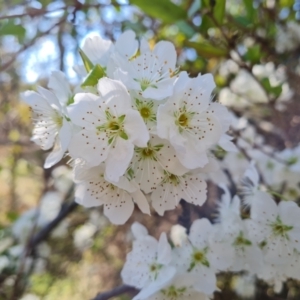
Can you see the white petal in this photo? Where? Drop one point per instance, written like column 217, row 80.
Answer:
column 119, row 211
column 97, row 49
column 138, row 230
column 141, row 201
column 60, row 86
column 115, row 95
column 164, row 250
column 118, row 159
column 264, row 207
column 199, row 232
column 126, row 44
column 136, row 129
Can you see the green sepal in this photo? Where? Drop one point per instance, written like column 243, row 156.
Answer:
column 124, row 135
column 86, row 61
column 93, row 77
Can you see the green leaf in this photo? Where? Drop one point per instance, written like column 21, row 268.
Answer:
column 253, row 54
column 250, row 11
column 93, row 77
column 164, row 10
column 86, row 61
column 219, row 10
column 275, row 90
column 207, row 50
column 185, row 28
column 243, row 21
column 10, row 28
column 194, row 8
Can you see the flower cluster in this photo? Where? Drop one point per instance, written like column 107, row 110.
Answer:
column 265, row 244
column 135, row 126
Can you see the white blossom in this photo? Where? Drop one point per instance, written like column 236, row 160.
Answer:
column 118, row 198
column 110, row 128
column 189, row 121
column 52, row 128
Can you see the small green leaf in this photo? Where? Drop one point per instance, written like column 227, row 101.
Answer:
column 275, row 90
column 219, row 10
column 185, row 28
column 254, row 54
column 93, row 77
column 194, row 8
column 124, row 135
column 207, row 50
column 164, row 10
column 86, row 61
column 250, row 11
column 10, row 28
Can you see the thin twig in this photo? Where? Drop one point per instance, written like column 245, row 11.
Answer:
column 31, row 43
column 122, row 289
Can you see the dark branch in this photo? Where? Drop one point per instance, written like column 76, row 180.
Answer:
column 44, row 232
column 122, row 289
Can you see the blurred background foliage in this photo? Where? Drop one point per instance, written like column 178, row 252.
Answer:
column 259, row 39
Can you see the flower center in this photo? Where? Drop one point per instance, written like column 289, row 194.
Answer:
column 113, row 126
column 58, row 120
column 242, row 241
column 145, row 112
column 171, row 178
column 149, row 152
column 173, row 292
column 198, row 258
column 280, row 229
column 183, row 120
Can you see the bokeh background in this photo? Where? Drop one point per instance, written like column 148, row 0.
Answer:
column 251, row 47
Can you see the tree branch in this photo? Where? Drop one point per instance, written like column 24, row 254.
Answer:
column 122, row 289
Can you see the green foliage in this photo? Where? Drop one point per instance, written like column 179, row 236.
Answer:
column 250, row 11
column 207, row 50
column 10, row 28
column 274, row 90
column 165, row 10
column 219, row 10
column 254, row 54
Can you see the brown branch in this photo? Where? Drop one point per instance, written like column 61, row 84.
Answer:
column 35, row 240
column 122, row 289
column 31, row 43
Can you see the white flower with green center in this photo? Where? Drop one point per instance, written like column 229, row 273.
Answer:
column 118, row 198
column 247, row 254
column 149, row 163
column 152, row 73
column 147, row 265
column 181, row 288
column 189, row 121
column 231, row 229
column 51, row 125
column 202, row 258
column 167, row 194
column 147, row 109
column 110, row 128
column 276, row 226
